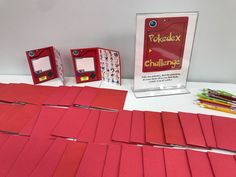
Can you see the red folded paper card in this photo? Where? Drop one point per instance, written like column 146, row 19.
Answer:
column 199, row 164
column 123, row 126
column 20, row 119
column 25, row 164
column 225, row 132
column 154, row 128
column 105, row 127
column 10, row 151
column 70, row 96
column 88, row 132
column 222, row 165
column 70, row 160
column 86, row 96
column 176, row 163
column 49, row 162
column 47, row 121
column 131, row 163
column 208, row 131
column 153, row 162
column 172, row 128
column 56, row 96
column 137, row 133
column 93, row 161
column 112, row 163
column 3, row 138
column 71, row 123
column 192, row 129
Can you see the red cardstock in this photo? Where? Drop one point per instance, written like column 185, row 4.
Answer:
column 164, row 42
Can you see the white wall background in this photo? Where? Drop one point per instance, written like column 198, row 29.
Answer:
column 29, row 24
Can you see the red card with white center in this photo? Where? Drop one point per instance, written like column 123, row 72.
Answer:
column 109, row 99
column 208, row 131
column 172, row 128
column 56, row 96
column 49, row 162
column 123, row 126
column 70, row 160
column 153, row 162
column 192, row 129
column 137, row 134
column 154, row 128
column 176, row 163
column 222, row 165
column 88, row 132
column 225, row 132
column 70, row 96
column 25, row 164
column 86, row 96
column 105, row 127
column 47, row 121
column 112, row 164
column 93, row 161
column 71, row 123
column 131, row 163
column 199, row 164
column 10, row 151
column 20, row 119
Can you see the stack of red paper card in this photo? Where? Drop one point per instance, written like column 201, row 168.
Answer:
column 24, row 157
column 63, row 96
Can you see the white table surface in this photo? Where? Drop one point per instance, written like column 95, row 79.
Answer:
column 173, row 103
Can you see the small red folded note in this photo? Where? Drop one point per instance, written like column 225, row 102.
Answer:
column 137, row 133
column 93, row 161
column 154, row 128
column 208, row 131
column 105, row 127
column 112, row 163
column 199, row 164
column 153, row 162
column 225, row 132
column 70, row 160
column 176, row 163
column 131, row 163
column 71, row 123
column 222, row 165
column 172, row 128
column 192, row 129
column 123, row 126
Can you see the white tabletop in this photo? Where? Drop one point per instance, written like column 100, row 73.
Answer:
column 172, row 103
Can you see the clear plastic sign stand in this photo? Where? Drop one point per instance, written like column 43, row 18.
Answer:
column 164, row 43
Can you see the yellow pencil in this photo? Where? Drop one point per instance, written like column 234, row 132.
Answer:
column 214, row 101
column 203, row 105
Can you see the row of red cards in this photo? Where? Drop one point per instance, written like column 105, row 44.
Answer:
column 63, row 96
column 140, row 127
column 24, row 157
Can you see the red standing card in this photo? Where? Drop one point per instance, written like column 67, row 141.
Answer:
column 93, row 161
column 105, row 127
column 208, row 131
column 112, row 163
column 70, row 160
column 71, row 123
column 222, row 165
column 153, row 162
column 176, row 163
column 192, row 129
column 199, row 164
column 172, row 128
column 154, row 128
column 123, row 126
column 225, row 132
column 131, row 163
column 164, row 42
column 137, row 133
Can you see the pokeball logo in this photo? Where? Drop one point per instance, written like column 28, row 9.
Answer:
column 153, row 23
column 76, row 52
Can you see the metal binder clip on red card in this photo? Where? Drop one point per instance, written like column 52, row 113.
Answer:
column 45, row 64
column 94, row 64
